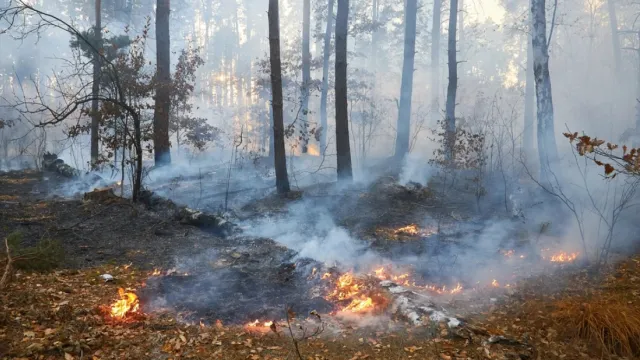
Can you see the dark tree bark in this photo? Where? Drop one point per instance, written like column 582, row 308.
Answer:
column 452, row 88
column 547, row 149
column 280, row 157
column 162, row 147
column 137, row 143
column 306, row 71
column 343, row 148
column 325, row 78
column 403, row 129
column 529, row 96
column 95, row 90
column 435, row 60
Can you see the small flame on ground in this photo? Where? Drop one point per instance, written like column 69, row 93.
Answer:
column 411, row 229
column 156, row 272
column 128, row 303
column 258, row 323
column 564, row 257
column 495, row 283
column 404, row 280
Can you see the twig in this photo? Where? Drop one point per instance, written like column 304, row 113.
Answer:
column 7, row 269
column 293, row 338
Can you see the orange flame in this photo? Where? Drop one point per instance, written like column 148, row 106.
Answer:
column 495, row 283
column 257, row 323
column 564, row 257
column 364, row 303
column 411, row 229
column 128, row 303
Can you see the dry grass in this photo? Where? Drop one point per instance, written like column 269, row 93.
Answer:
column 611, row 322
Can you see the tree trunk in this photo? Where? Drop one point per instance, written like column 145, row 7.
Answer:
column 343, row 149
column 95, row 89
column 529, row 96
column 280, row 157
column 638, row 92
column 163, row 105
column 547, row 149
column 306, row 72
column 271, row 127
column 615, row 38
column 403, row 129
column 325, row 78
column 374, row 38
column 137, row 143
column 450, row 131
column 435, row 60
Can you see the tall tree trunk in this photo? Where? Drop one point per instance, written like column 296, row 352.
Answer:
column 450, row 131
column 615, row 38
column 343, row 147
column 461, row 35
column 239, row 61
column 163, row 103
column 280, row 157
column 374, row 38
column 137, row 143
column 272, row 146
column 403, row 129
column 306, row 72
column 435, row 60
column 529, row 95
column 547, row 149
column 638, row 91
column 95, row 89
column 325, row 78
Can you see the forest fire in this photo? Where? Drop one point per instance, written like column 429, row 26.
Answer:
column 564, row 257
column 128, row 304
column 257, row 323
column 414, row 230
column 352, row 289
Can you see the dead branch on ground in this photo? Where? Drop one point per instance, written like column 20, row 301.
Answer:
column 7, row 269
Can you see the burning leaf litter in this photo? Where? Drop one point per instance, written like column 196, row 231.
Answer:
column 128, row 304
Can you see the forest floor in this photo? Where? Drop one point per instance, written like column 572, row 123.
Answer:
column 60, row 313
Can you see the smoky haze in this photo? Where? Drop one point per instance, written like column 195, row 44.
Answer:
column 595, row 87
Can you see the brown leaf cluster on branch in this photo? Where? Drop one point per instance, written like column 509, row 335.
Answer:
column 603, row 154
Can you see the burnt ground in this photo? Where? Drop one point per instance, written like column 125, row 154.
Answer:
column 107, row 237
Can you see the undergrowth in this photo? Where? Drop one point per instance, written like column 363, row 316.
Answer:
column 45, row 255
column 610, row 322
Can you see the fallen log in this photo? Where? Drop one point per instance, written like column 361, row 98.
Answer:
column 415, row 307
column 213, row 222
column 216, row 223
column 50, row 162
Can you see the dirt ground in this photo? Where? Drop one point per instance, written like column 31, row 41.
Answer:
column 60, row 314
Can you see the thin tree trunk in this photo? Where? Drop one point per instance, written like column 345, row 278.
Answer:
column 453, row 84
column 547, row 149
column 137, row 180
column 306, row 72
column 280, row 159
column 374, row 38
column 403, row 130
column 325, row 78
column 435, row 60
column 615, row 38
column 529, row 95
column 95, row 90
column 163, row 105
column 343, row 147
column 638, row 91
